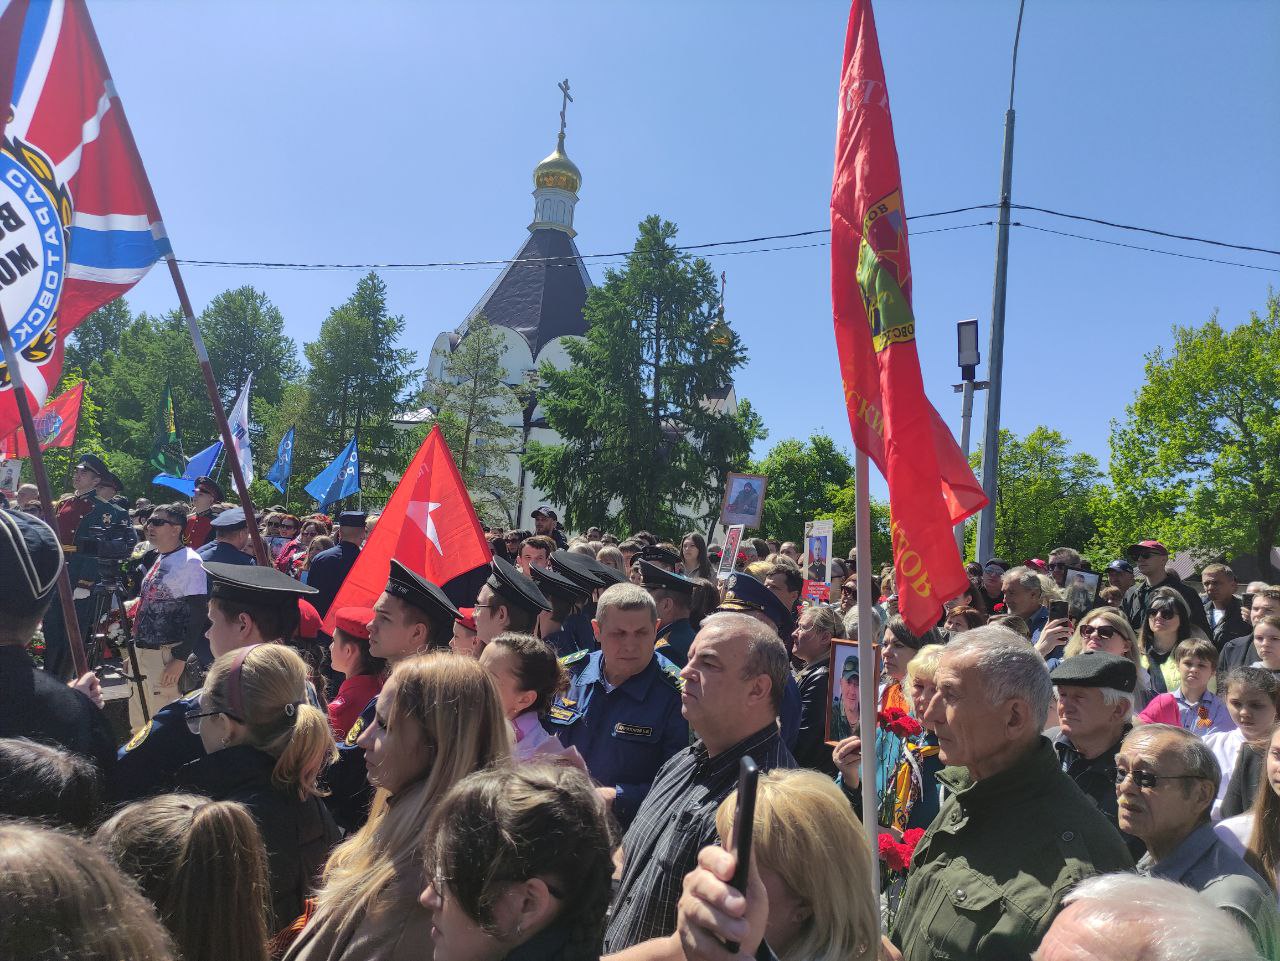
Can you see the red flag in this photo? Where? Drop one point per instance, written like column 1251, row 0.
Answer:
column 429, row 526
column 56, row 424
column 931, row 487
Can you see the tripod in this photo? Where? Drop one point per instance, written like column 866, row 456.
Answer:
column 105, row 597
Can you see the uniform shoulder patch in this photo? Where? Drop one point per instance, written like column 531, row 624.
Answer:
column 353, row 735
column 671, row 677
column 139, row 736
column 575, row 657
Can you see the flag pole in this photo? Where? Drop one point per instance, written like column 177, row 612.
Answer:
column 867, row 687
column 219, row 414
column 71, row 623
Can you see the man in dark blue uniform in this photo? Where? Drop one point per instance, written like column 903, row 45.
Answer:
column 330, row 568
column 411, row 616
column 622, row 708
column 673, row 593
column 231, row 536
column 33, row 703
column 247, row 605
column 566, row 597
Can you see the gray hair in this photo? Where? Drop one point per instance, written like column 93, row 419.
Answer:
column 1025, row 578
column 1068, row 555
column 1165, row 921
column 1192, row 752
column 851, row 624
column 825, row 619
column 766, row 654
column 626, row 597
column 1112, row 696
column 1009, row 667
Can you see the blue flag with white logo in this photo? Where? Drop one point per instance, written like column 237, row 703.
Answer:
column 283, row 467
column 200, row 465
column 340, row 479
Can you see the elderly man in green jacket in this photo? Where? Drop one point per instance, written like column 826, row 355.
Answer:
column 1015, row 833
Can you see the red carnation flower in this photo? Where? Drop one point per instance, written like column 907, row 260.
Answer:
column 897, row 721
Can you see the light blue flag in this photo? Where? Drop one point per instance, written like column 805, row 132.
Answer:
column 200, row 465
column 340, row 479
column 283, row 467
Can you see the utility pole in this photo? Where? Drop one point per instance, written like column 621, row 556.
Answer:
column 968, row 358
column 995, row 355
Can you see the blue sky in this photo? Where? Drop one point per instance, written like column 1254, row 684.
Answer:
column 407, row 132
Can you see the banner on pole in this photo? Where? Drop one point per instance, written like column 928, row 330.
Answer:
column 340, row 479
column 238, row 421
column 56, row 424
column 818, row 536
column 732, row 538
column 200, row 465
column 280, row 471
column 166, row 449
column 931, row 487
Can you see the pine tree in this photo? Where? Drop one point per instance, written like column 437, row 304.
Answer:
column 645, row 445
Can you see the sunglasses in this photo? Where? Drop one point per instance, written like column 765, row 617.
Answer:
column 1164, row 613
column 1103, row 632
column 288, row 527
column 1145, row 779
column 160, row 522
column 1057, row 566
column 1142, row 555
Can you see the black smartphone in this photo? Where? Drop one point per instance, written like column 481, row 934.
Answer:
column 1057, row 610
column 744, row 819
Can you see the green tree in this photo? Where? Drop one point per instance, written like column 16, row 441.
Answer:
column 475, row 409
column 802, row 476
column 97, row 335
column 644, row 444
column 1045, row 496
column 244, row 334
column 844, row 513
column 358, row 380
column 1196, row 461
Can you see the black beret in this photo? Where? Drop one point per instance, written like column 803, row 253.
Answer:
column 585, row 571
column 654, row 576
column 416, row 591
column 253, row 584
column 1097, row 669
column 30, row 558
column 515, row 588
column 557, row 585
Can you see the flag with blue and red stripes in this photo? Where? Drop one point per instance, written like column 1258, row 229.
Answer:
column 79, row 224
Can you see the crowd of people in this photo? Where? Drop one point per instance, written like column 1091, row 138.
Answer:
column 1069, row 765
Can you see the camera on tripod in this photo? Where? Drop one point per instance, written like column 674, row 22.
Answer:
column 108, row 542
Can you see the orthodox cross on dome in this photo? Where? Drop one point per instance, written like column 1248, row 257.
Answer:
column 564, row 104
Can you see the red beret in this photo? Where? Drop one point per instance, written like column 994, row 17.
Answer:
column 354, row 621
column 309, row 620
column 468, row 618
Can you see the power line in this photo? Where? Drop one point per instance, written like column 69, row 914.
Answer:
column 1149, row 230
column 1150, row 250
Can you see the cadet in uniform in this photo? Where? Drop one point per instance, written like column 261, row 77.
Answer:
column 231, row 534
column 508, row 601
column 330, row 568
column 410, row 617
column 200, row 528
column 673, row 593
column 566, row 597
column 76, row 517
column 33, row 703
column 589, row 573
column 247, row 605
column 622, row 708
column 660, row 556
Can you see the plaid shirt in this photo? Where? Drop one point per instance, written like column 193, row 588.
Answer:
column 677, row 820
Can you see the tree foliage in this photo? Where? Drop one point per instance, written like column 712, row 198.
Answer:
column 644, row 444
column 475, row 410
column 801, row 476
column 1196, row 460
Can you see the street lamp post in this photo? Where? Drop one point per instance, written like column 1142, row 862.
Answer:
column 968, row 358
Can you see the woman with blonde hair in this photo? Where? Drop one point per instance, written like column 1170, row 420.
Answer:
column 438, row 719
column 265, row 746
column 60, row 897
column 1108, row 629
column 812, row 859
column 203, row 866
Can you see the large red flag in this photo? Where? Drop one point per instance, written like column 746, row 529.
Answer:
column 56, row 424
column 428, row 525
column 931, row 487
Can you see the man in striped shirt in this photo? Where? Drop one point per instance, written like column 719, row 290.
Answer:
column 733, row 688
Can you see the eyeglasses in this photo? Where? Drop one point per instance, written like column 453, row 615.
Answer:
column 1057, row 566
column 1145, row 779
column 193, row 718
column 1102, row 632
column 160, row 522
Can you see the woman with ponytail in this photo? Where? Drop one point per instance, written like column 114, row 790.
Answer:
column 265, row 746
column 518, row 863
column 202, row 864
column 438, row 719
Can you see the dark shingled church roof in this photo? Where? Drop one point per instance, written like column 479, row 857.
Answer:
column 541, row 294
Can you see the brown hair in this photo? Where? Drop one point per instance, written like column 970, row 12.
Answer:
column 49, row 784
column 1199, row 647
column 1263, row 850
column 971, row 616
column 60, row 897
column 508, row 825
column 540, row 542
column 275, row 621
column 203, row 865
column 537, row 668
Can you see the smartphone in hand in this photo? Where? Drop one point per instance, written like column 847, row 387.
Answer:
column 744, row 818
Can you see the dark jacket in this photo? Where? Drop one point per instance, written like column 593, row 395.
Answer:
column 811, row 749
column 1096, row 777
column 1138, row 598
column 1231, row 625
column 298, row 834
column 1237, row 652
column 1251, row 771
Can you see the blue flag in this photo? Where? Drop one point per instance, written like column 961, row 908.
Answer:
column 200, row 465
column 339, row 479
column 283, row 467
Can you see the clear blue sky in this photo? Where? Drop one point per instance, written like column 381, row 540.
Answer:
column 380, row 132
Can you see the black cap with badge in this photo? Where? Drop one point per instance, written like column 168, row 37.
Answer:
column 207, row 485
column 93, row 463
column 658, row 554
column 654, row 576
column 555, row 585
column 252, row 584
column 229, row 521
column 351, row 519
column 515, row 588
column 585, row 571
column 416, row 591
column 30, row 558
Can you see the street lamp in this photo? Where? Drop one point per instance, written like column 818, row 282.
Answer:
column 968, row 358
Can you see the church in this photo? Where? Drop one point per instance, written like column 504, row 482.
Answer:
column 536, row 304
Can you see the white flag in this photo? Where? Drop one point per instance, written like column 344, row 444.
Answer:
column 239, row 424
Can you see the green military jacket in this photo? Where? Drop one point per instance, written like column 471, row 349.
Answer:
column 989, row 875
column 76, row 518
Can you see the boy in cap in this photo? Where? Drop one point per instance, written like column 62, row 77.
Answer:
column 566, row 598
column 33, row 703
column 247, row 605
column 508, row 601
column 330, row 568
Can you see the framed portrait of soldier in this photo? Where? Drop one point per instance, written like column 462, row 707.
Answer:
column 743, row 500
column 843, row 702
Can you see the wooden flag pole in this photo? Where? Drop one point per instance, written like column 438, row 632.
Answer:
column 867, row 687
column 224, row 429
column 71, row 623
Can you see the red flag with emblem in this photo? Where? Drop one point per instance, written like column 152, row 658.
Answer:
column 931, row 487
column 56, row 424
column 428, row 525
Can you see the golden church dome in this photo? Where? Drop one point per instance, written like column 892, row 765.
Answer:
column 558, row 171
